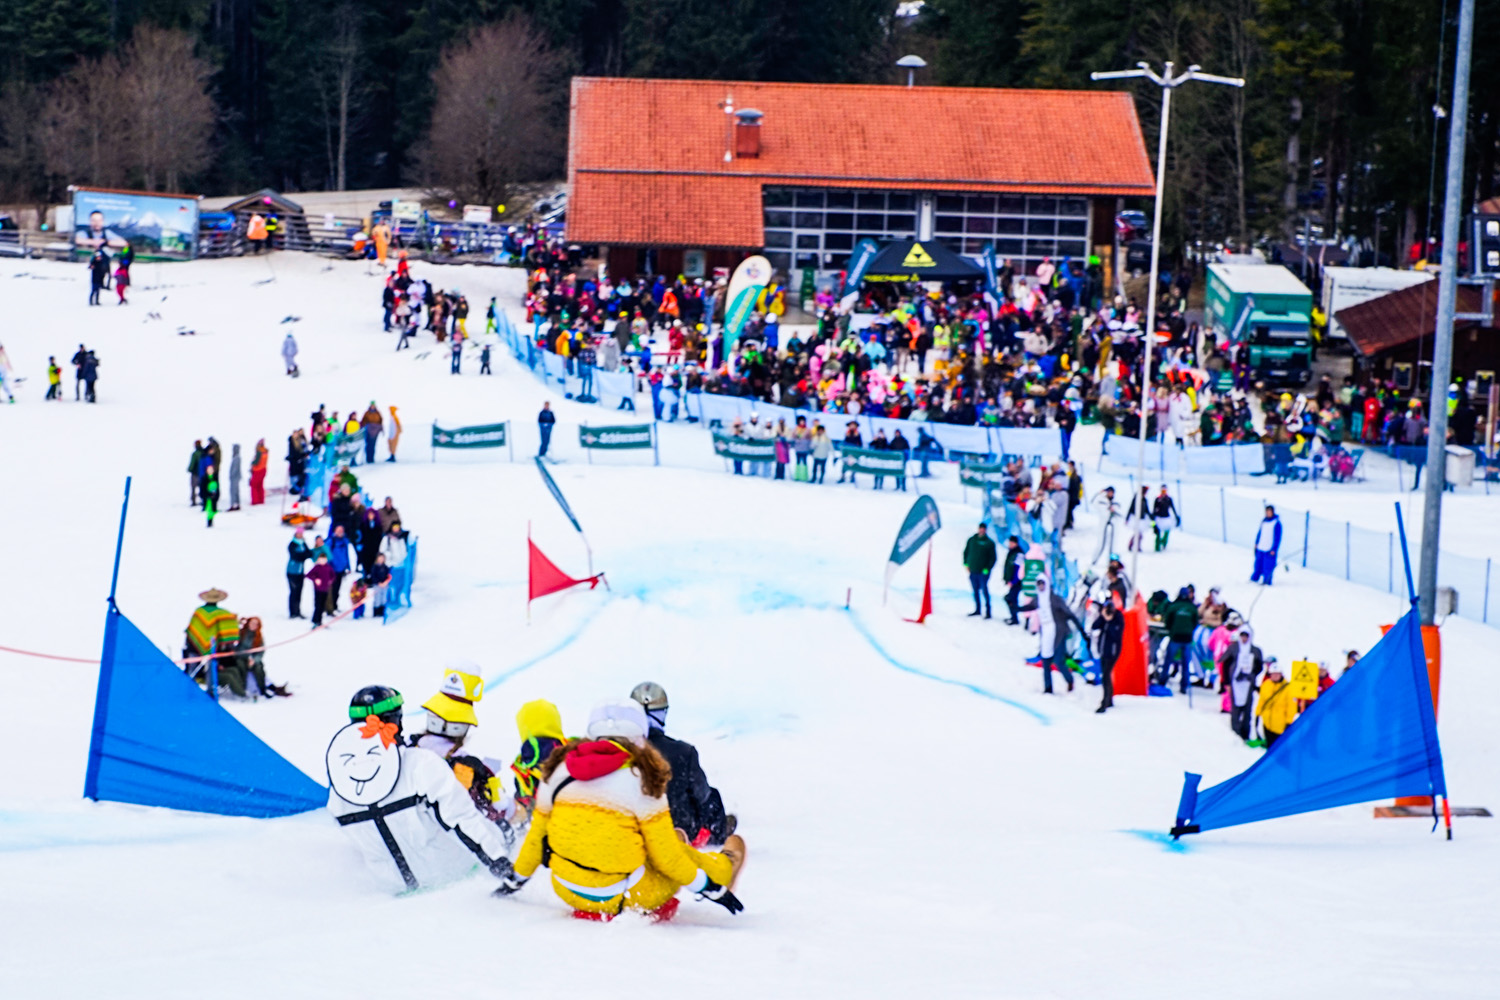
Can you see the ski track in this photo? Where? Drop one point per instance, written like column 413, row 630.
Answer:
column 907, row 836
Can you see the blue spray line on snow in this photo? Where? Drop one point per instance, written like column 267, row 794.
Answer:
column 562, row 644
column 1164, row 839
column 863, row 630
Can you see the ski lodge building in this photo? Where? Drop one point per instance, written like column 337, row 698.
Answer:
column 683, row 176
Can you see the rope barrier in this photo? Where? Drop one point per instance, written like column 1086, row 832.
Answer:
column 207, row 656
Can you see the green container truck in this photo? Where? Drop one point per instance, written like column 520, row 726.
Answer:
column 1265, row 306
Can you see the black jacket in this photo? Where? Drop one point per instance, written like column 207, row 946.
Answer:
column 693, row 802
column 1111, row 637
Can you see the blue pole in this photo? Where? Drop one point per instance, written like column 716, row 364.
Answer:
column 1346, row 550
column 114, row 578
column 1306, row 530
column 1411, row 586
column 1223, row 518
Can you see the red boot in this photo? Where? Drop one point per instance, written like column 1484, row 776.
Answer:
column 664, row 912
column 602, row 918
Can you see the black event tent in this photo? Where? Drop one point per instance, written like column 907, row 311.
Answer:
column 915, row 260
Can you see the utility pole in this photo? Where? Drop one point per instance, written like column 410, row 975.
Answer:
column 1442, row 346
column 1168, row 83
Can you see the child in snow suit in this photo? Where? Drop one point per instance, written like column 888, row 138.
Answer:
column 379, row 578
column 210, row 493
column 321, row 576
column 603, row 828
column 54, row 379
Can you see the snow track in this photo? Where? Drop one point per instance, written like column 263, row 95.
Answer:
column 938, row 829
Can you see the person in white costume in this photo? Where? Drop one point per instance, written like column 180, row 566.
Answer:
column 414, row 824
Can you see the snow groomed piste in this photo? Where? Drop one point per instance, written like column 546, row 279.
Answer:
column 838, row 736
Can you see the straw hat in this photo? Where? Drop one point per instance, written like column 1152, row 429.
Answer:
column 212, row 596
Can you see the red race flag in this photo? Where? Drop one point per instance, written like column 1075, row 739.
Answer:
column 545, row 578
column 926, row 593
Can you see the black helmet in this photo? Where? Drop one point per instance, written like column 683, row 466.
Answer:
column 377, row 700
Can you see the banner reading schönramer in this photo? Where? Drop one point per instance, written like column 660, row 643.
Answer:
column 478, row 436
column 880, row 463
column 630, row 436
column 744, row 449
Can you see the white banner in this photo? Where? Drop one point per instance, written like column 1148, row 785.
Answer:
column 958, row 437
column 1029, row 441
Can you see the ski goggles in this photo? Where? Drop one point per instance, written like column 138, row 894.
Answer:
column 381, row 707
column 440, row 726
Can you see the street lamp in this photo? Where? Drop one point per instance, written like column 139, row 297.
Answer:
column 1168, row 83
column 911, row 64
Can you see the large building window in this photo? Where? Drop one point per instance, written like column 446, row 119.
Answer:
column 1024, row 228
column 818, row 227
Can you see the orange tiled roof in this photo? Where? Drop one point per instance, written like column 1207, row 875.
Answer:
column 634, row 145
column 666, row 210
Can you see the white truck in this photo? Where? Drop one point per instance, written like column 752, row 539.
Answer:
column 1349, row 286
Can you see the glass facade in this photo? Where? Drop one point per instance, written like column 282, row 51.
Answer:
column 818, row 227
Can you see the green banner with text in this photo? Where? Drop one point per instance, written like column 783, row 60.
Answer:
column 744, row 449
column 478, row 436
column 631, row 436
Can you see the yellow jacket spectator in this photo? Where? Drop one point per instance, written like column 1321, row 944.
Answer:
column 1277, row 708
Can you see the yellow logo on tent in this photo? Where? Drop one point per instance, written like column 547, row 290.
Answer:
column 917, row 257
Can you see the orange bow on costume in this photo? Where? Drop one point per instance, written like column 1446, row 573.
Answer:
column 374, row 727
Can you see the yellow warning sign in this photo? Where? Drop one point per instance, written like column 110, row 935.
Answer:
column 917, row 257
column 1304, row 681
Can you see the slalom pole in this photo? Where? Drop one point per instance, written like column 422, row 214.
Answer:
column 114, row 578
column 528, row 572
column 1447, row 817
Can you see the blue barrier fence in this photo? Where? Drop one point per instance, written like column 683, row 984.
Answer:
column 616, row 390
column 1338, row 548
column 398, row 591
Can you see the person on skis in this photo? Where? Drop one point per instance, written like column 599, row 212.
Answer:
column 603, row 828
column 412, row 821
column 697, row 808
column 289, row 354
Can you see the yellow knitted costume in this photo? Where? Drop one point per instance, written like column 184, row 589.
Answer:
column 609, row 844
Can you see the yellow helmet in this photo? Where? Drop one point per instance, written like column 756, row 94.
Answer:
column 455, row 700
column 539, row 718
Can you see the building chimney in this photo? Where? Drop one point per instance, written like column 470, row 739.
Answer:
column 747, row 133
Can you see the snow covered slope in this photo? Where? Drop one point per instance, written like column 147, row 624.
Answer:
column 921, row 820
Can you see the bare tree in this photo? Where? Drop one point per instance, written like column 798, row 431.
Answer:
column 83, row 131
column 170, row 113
column 341, row 57
column 498, row 115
